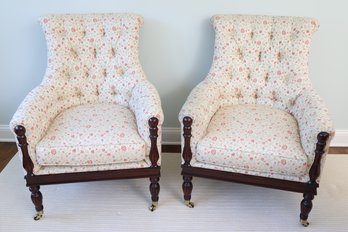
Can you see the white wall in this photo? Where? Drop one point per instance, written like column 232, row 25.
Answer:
column 176, row 45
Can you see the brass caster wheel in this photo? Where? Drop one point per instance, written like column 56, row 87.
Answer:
column 38, row 215
column 305, row 223
column 189, row 204
column 153, row 206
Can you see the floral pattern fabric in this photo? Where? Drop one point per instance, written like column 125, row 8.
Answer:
column 254, row 138
column 93, row 134
column 92, row 59
column 260, row 60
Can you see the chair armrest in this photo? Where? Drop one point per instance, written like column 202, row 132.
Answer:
column 200, row 106
column 145, row 103
column 313, row 117
column 35, row 113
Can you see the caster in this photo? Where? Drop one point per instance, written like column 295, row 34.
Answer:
column 38, row 215
column 303, row 222
column 153, row 206
column 189, row 204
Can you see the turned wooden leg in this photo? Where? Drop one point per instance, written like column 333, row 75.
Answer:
column 187, row 156
column 154, row 189
column 36, row 198
column 306, row 207
column 314, row 172
column 187, row 189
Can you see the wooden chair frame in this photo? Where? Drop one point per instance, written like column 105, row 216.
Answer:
column 308, row 189
column 34, row 181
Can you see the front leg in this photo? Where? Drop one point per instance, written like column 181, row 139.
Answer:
column 154, row 189
column 154, row 157
column 187, row 156
column 306, row 207
column 28, row 165
column 187, row 189
column 314, row 172
column 36, row 198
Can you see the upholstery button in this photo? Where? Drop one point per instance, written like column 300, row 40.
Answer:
column 95, row 52
column 255, row 95
column 266, row 77
column 274, row 96
column 287, row 78
column 259, row 56
column 102, row 32
column 74, row 53
column 113, row 53
column 251, row 35
column 104, row 72
column 78, row 93
column 119, row 34
column 271, row 35
column 249, row 76
column 240, row 53
column 84, row 33
column 279, row 56
column 238, row 93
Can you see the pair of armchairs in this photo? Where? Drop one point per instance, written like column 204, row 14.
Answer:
column 255, row 119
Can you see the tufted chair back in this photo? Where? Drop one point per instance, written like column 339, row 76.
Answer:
column 93, row 57
column 261, row 59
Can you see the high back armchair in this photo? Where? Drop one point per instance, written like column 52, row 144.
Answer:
column 255, row 118
column 94, row 116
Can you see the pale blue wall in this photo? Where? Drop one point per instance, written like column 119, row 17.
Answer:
column 176, row 45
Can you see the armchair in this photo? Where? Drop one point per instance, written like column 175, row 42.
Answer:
column 95, row 116
column 255, row 119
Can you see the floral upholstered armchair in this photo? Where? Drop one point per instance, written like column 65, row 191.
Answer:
column 94, row 116
column 256, row 119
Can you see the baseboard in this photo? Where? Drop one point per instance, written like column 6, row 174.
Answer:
column 171, row 136
column 5, row 134
column 340, row 139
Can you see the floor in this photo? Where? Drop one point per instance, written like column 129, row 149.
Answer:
column 8, row 150
column 121, row 205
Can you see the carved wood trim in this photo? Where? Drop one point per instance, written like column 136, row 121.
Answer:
column 187, row 153
column 22, row 143
column 154, row 156
column 314, row 171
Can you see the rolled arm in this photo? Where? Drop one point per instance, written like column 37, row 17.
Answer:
column 200, row 106
column 146, row 104
column 35, row 113
column 313, row 117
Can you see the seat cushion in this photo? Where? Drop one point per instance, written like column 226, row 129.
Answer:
column 92, row 134
column 254, row 139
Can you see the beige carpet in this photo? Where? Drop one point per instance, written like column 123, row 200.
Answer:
column 220, row 206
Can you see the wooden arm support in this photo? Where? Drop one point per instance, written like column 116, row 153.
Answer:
column 314, row 172
column 22, row 143
column 154, row 156
column 187, row 153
